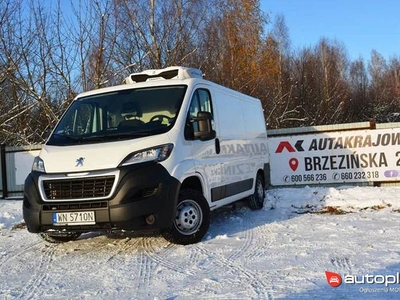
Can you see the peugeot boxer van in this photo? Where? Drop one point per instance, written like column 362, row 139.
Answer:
column 158, row 152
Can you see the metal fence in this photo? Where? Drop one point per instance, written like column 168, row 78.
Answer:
column 16, row 162
column 329, row 128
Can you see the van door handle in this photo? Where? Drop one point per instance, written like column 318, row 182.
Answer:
column 217, row 146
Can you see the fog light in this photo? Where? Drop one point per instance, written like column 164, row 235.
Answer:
column 150, row 219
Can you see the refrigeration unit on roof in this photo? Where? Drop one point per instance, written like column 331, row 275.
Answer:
column 164, row 74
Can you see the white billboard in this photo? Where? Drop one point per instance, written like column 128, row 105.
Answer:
column 23, row 164
column 336, row 157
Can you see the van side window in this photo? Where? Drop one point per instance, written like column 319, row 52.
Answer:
column 201, row 101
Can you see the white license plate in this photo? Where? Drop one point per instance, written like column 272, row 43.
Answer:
column 74, row 218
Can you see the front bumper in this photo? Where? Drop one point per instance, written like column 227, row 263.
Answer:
column 142, row 190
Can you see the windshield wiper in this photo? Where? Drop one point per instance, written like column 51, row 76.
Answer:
column 117, row 135
column 110, row 136
column 70, row 137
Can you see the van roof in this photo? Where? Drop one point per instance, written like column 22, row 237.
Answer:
column 162, row 77
column 145, row 84
column 167, row 76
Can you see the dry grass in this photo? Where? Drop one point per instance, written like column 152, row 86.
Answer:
column 21, row 225
column 332, row 211
column 376, row 207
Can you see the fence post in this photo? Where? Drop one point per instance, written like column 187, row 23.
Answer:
column 4, row 171
column 372, row 124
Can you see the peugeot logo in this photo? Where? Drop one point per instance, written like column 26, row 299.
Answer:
column 79, row 162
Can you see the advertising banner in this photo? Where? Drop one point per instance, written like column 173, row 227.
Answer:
column 336, row 157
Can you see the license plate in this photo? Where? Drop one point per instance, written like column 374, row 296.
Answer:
column 74, row 218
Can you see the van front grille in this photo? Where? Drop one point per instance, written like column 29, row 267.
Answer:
column 75, row 206
column 78, row 188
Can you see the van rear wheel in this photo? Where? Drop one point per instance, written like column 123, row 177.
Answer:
column 191, row 220
column 256, row 201
column 59, row 237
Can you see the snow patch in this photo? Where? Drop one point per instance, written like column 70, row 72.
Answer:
column 281, row 251
column 221, row 237
column 8, row 218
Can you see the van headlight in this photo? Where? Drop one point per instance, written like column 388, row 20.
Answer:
column 38, row 165
column 159, row 153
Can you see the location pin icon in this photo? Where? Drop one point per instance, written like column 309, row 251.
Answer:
column 293, row 164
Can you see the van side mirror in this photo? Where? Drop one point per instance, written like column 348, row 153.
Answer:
column 204, row 130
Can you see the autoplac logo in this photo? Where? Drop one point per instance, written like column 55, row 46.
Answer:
column 333, row 279
column 380, row 283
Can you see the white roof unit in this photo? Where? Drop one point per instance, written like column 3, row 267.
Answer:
column 164, row 74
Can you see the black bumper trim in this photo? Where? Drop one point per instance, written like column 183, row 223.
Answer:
column 142, row 190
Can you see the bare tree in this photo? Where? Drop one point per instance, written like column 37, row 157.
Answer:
column 384, row 87
column 358, row 107
column 280, row 33
column 233, row 45
column 282, row 106
column 334, row 64
column 157, row 34
column 94, row 38
column 48, row 55
column 39, row 67
column 379, row 90
column 15, row 97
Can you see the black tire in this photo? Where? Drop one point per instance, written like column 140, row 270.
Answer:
column 59, row 237
column 256, row 201
column 191, row 221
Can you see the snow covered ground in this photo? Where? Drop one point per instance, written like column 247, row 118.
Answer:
column 281, row 251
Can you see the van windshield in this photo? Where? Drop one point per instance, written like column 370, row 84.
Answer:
column 125, row 114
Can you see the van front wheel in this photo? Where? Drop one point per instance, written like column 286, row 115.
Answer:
column 191, row 219
column 256, row 201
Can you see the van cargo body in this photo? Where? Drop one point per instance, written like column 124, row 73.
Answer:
column 159, row 152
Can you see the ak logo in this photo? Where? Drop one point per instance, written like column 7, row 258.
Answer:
column 286, row 145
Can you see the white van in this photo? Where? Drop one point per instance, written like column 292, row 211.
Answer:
column 158, row 152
